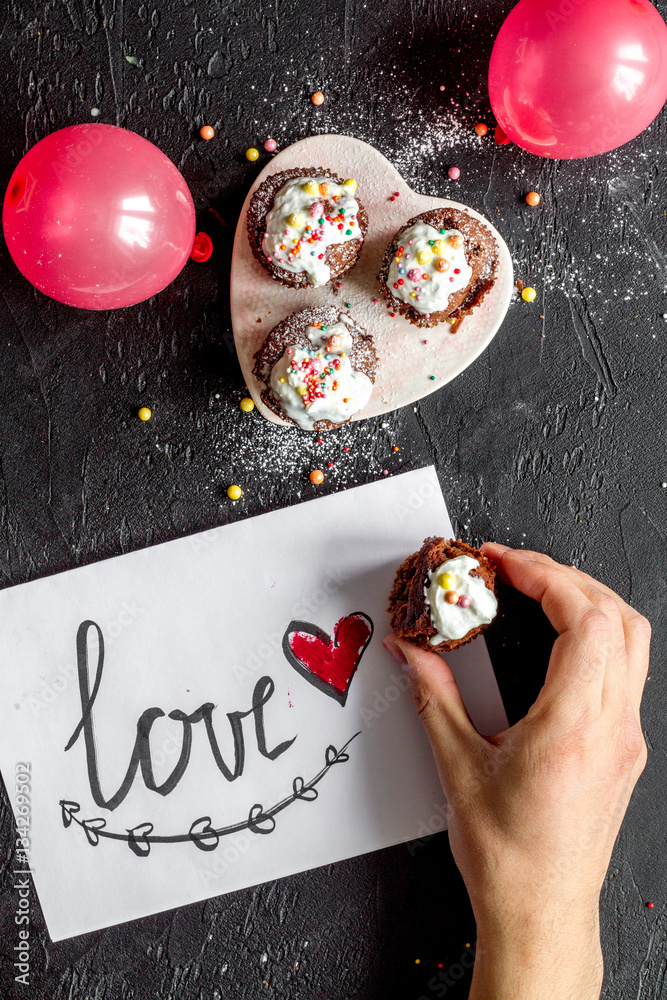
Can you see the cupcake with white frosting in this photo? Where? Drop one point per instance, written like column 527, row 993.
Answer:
column 443, row 595
column 438, row 267
column 318, row 367
column 306, row 227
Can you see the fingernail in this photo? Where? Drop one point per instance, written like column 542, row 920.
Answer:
column 496, row 545
column 394, row 650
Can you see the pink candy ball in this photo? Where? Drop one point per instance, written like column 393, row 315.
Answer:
column 454, row 173
column 98, row 217
column 270, row 145
column 464, row 602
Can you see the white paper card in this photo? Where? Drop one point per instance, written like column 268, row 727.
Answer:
column 205, row 754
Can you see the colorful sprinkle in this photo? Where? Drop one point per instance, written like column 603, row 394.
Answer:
column 528, row 294
column 533, row 198
column 234, row 492
column 464, row 602
column 247, row 405
column 270, row 145
column 316, row 477
column 350, row 183
column 206, row 132
column 144, row 413
column 317, row 98
column 454, row 173
column 252, row 154
column 451, row 597
column 432, row 378
column 481, row 129
column 446, row 581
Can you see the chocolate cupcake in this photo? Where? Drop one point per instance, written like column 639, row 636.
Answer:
column 306, row 227
column 318, row 367
column 443, row 595
column 439, row 267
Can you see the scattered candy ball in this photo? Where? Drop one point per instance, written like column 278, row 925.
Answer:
column 317, row 97
column 316, row 477
column 481, row 129
column 533, row 198
column 446, row 581
column 528, row 294
column 650, row 905
column 144, row 413
column 247, row 405
column 234, row 492
column 350, row 183
column 451, row 597
column 207, row 132
column 252, row 154
column 442, row 265
column 270, row 145
column 454, row 173
column 456, row 241
column 464, row 602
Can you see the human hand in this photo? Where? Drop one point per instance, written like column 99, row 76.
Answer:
column 534, row 812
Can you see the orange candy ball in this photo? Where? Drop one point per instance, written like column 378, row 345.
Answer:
column 481, row 129
column 533, row 198
column 451, row 597
column 316, row 477
column 442, row 265
column 317, row 97
column 207, row 132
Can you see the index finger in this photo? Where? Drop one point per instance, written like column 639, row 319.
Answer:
column 636, row 629
column 582, row 652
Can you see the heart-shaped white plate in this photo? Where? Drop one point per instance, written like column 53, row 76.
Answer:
column 406, row 363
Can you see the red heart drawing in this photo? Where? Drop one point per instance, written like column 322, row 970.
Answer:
column 328, row 662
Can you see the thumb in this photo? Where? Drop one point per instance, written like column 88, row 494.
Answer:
column 451, row 734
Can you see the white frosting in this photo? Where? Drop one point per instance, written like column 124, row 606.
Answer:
column 320, row 383
column 422, row 285
column 299, row 228
column 451, row 620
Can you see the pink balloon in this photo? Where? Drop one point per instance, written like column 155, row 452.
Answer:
column 98, row 217
column 573, row 78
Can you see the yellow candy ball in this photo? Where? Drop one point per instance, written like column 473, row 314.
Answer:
column 446, row 581
column 302, row 391
column 528, row 294
column 234, row 492
column 252, row 154
column 423, row 257
column 247, row 405
column 437, row 248
column 144, row 413
column 350, row 183
column 294, row 219
column 310, row 187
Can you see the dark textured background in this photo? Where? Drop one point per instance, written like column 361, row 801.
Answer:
column 554, row 438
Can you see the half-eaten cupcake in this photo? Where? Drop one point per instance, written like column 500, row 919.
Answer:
column 443, row 596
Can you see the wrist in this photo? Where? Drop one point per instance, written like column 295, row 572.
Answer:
column 536, row 955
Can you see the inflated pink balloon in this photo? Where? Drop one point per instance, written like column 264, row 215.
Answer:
column 578, row 77
column 97, row 217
